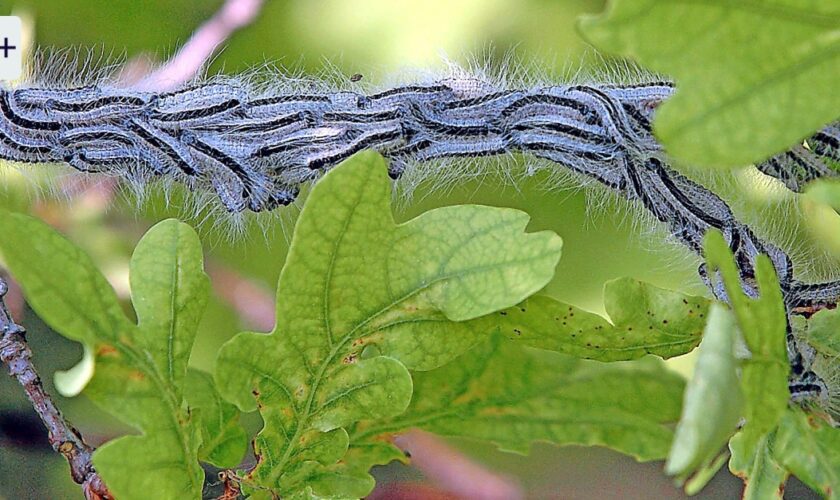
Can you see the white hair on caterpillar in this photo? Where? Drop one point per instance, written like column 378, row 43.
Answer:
column 252, row 141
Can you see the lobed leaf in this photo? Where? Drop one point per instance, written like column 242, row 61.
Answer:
column 643, row 319
column 753, row 78
column 223, row 440
column 755, row 463
column 810, row 448
column 360, row 299
column 139, row 369
column 60, row 281
column 512, row 395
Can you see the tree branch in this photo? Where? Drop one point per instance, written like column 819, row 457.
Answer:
column 64, row 438
column 233, row 15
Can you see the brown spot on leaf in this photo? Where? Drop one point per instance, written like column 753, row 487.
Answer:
column 106, row 350
column 495, row 410
column 385, row 437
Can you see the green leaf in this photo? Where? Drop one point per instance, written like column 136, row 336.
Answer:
column 223, row 440
column 753, row 78
column 763, row 324
column 139, row 370
column 60, row 281
column 349, row 478
column 776, row 440
column 810, row 448
column 823, row 332
column 512, row 395
column 755, row 463
column 644, row 320
column 356, row 282
column 72, row 382
column 825, row 191
column 712, row 401
column 702, row 477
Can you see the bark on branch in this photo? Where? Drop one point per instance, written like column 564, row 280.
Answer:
column 63, row 437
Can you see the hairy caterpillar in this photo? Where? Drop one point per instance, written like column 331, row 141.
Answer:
column 254, row 148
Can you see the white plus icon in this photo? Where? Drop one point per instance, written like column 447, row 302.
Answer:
column 10, row 50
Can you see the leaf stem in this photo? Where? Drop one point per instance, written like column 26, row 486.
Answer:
column 63, row 437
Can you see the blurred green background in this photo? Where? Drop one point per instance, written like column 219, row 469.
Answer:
column 375, row 38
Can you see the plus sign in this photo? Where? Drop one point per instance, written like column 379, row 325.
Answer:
column 6, row 47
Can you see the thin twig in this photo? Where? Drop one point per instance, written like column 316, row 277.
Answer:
column 233, row 15
column 15, row 352
column 182, row 67
column 64, row 438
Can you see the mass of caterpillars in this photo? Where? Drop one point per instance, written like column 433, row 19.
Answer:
column 255, row 149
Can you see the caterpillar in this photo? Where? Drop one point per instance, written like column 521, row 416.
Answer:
column 256, row 148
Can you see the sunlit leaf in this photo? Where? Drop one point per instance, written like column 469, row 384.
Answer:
column 360, row 299
column 753, row 78
column 643, row 319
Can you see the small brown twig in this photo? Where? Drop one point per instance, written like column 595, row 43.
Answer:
column 232, row 490
column 64, row 438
